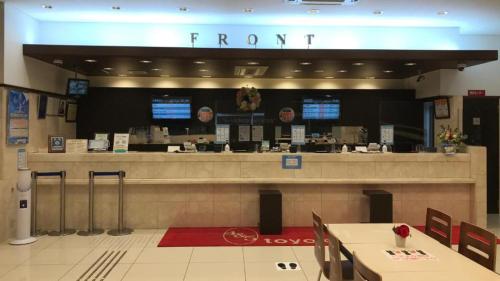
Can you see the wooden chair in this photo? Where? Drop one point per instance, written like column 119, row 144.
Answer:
column 364, row 273
column 337, row 269
column 482, row 241
column 438, row 226
column 342, row 270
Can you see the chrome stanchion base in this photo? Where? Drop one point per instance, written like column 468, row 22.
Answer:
column 93, row 233
column 39, row 233
column 64, row 233
column 123, row 232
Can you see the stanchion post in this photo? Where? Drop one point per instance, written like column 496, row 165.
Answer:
column 62, row 209
column 92, row 230
column 121, row 230
column 35, row 232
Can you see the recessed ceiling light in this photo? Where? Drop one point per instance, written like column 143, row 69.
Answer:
column 248, row 10
column 329, row 77
column 305, row 63
column 297, row 70
column 410, row 64
column 442, row 13
column 206, row 76
column 249, row 76
column 46, row 6
column 156, row 69
column 252, row 63
column 116, row 7
column 58, row 61
column 342, row 71
column 184, row 9
column 370, row 77
column 313, row 11
column 122, row 75
column 388, row 71
column 145, row 61
column 91, row 60
column 358, row 64
column 378, row 12
column 108, row 68
column 199, row 62
column 165, row 75
column 203, row 70
column 319, row 71
column 288, row 77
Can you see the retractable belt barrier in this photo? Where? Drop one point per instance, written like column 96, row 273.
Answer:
column 62, row 204
column 121, row 230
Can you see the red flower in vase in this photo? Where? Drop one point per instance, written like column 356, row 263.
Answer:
column 402, row 230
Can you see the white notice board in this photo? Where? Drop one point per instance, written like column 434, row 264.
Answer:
column 298, row 134
column 387, row 134
column 222, row 134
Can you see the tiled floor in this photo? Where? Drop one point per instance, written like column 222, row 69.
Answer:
column 136, row 257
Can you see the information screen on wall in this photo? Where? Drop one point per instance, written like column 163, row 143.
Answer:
column 321, row 109
column 18, row 118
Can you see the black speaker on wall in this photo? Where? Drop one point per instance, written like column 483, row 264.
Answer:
column 271, row 221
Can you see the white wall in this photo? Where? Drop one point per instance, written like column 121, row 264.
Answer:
column 27, row 72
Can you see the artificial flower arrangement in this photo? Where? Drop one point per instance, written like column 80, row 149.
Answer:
column 248, row 99
column 401, row 233
column 447, row 136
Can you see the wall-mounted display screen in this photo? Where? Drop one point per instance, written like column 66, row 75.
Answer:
column 321, row 109
column 78, row 87
column 171, row 108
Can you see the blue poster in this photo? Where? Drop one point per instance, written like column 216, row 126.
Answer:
column 18, row 118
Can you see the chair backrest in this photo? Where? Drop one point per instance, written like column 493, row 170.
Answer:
column 364, row 273
column 319, row 240
column 438, row 226
column 479, row 240
column 335, row 261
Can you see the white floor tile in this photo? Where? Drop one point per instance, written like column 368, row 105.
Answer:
column 274, row 254
column 16, row 255
column 130, row 256
column 58, row 256
column 217, row 254
column 156, row 272
column 304, row 253
column 4, row 269
column 165, row 255
column 37, row 273
column 215, row 271
column 266, row 271
column 311, row 270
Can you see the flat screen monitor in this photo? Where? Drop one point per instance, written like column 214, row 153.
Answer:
column 171, row 108
column 321, row 109
column 78, row 87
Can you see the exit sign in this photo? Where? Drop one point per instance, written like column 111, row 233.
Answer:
column 476, row 93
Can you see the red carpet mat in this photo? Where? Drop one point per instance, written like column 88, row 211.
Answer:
column 249, row 236
column 235, row 236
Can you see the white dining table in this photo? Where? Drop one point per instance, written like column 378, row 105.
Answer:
column 371, row 241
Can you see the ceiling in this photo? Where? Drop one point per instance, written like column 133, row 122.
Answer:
column 473, row 17
column 221, row 63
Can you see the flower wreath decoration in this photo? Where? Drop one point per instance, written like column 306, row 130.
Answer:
column 248, row 99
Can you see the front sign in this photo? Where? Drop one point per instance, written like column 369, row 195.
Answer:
column 476, row 93
column 252, row 39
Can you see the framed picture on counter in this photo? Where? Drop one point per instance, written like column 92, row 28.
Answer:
column 57, row 144
column 442, row 108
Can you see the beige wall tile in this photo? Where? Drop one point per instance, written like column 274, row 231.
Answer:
column 172, row 214
column 200, row 214
column 200, row 192
column 249, row 213
column 227, row 214
column 303, row 212
column 227, row 169
column 227, row 193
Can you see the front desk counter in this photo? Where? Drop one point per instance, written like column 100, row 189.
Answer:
column 221, row 189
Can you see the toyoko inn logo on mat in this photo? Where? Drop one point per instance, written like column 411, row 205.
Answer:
column 240, row 236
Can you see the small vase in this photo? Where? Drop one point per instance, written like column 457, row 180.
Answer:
column 400, row 241
column 450, row 149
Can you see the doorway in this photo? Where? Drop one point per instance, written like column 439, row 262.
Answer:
column 481, row 125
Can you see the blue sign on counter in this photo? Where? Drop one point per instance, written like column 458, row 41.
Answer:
column 291, row 162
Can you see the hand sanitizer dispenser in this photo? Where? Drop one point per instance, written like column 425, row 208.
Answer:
column 23, row 232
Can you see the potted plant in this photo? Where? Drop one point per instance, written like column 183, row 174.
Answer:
column 450, row 139
column 401, row 233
